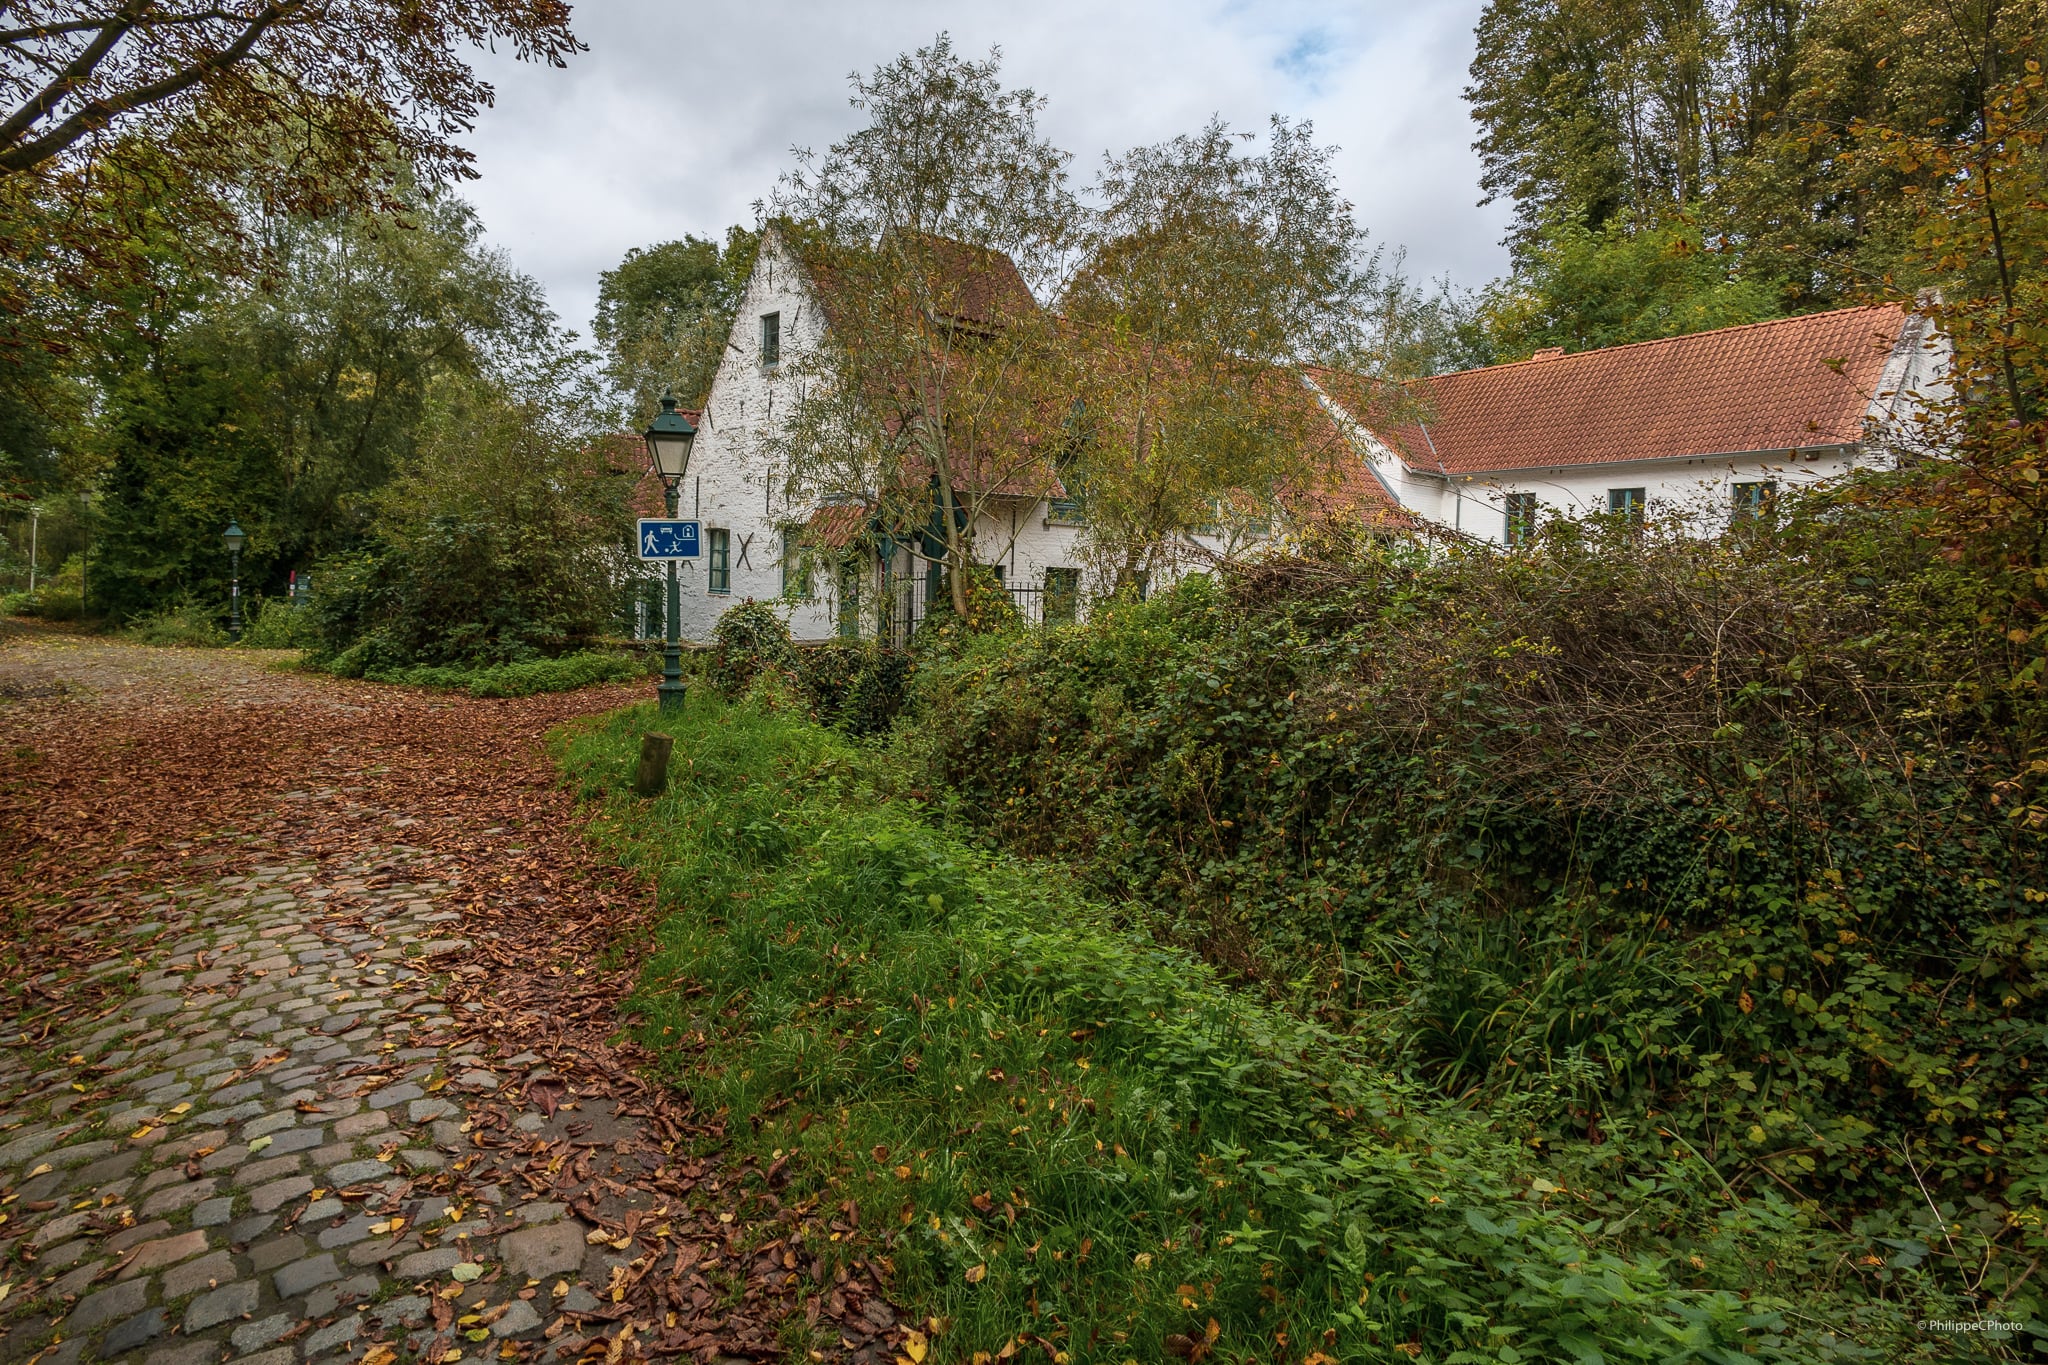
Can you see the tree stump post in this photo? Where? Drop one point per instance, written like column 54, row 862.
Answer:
column 651, row 777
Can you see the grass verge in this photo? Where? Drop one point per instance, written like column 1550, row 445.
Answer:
column 564, row 674
column 1068, row 1139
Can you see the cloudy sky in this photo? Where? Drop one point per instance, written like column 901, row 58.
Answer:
column 681, row 115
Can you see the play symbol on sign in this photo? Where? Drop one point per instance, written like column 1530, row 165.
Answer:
column 664, row 538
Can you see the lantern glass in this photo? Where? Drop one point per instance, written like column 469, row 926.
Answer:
column 234, row 536
column 668, row 439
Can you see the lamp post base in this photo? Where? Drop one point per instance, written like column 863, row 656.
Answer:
column 670, row 695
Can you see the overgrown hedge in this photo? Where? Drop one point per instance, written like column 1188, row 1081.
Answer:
column 1071, row 1141
column 1669, row 847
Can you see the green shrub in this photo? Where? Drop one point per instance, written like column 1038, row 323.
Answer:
column 1058, row 1130
column 275, row 623
column 564, row 674
column 185, row 623
column 749, row 638
column 857, row 686
column 990, row 610
column 1674, row 846
column 60, row 597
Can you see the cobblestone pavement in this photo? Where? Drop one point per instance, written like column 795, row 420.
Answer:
column 232, row 1166
column 297, row 1125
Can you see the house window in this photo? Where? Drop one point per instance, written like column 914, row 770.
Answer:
column 849, row 598
column 718, row 560
column 1521, row 522
column 1752, row 501
column 1633, row 502
column 1065, row 512
column 1062, row 596
column 771, row 338
column 796, row 577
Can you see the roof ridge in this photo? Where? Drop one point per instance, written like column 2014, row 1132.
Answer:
column 1899, row 308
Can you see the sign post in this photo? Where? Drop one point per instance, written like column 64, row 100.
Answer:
column 667, row 540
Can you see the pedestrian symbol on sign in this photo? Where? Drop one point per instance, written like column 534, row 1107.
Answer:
column 664, row 538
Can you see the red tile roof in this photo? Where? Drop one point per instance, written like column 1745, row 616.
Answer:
column 626, row 453
column 1795, row 382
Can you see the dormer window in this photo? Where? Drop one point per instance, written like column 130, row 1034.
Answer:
column 771, row 338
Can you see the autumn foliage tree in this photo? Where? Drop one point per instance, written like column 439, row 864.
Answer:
column 939, row 388
column 1214, row 277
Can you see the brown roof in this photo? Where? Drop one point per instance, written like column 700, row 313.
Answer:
column 836, row 525
column 1783, row 385
column 626, row 453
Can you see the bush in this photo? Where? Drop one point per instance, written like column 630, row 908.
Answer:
column 990, row 609
column 60, row 597
column 564, row 674
column 493, row 546
column 185, row 623
column 856, row 686
column 1677, row 847
column 275, row 623
column 1057, row 1129
column 748, row 639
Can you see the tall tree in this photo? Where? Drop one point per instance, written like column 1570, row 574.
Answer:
column 353, row 85
column 937, row 391
column 664, row 313
column 286, row 400
column 1214, row 275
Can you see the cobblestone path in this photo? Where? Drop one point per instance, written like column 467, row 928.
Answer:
column 293, row 1121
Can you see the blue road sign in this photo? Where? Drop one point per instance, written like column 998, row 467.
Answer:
column 661, row 538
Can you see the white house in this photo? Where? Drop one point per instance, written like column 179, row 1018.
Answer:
column 1711, row 423
column 1707, row 425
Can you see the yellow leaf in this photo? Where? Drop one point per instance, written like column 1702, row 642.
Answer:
column 438, row 1083
column 915, row 1345
column 595, row 1235
column 5, row 1290
column 182, row 1107
column 380, row 1354
column 903, row 1173
column 140, row 1133
column 976, row 1274
column 45, row 1168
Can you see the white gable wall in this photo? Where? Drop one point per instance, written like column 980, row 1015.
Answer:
column 733, row 484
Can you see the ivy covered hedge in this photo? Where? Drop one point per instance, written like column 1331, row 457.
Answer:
column 1669, row 849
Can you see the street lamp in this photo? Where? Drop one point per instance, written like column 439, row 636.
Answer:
column 668, row 450
column 235, row 541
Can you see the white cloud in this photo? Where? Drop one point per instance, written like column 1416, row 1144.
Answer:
column 680, row 117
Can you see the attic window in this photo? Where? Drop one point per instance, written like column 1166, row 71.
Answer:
column 771, row 338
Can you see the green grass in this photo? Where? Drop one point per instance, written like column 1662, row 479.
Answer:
column 1057, row 1129
column 564, row 674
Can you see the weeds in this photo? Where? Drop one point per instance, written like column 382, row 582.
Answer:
column 1069, row 1137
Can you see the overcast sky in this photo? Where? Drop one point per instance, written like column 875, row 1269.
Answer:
column 681, row 116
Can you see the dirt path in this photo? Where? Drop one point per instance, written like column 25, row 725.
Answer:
column 308, row 1048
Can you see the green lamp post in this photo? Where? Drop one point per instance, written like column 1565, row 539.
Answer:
column 668, row 450
column 235, row 541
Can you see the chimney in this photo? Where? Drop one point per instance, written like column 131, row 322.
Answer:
column 1548, row 353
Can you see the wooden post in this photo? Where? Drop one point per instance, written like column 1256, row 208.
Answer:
column 651, row 777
